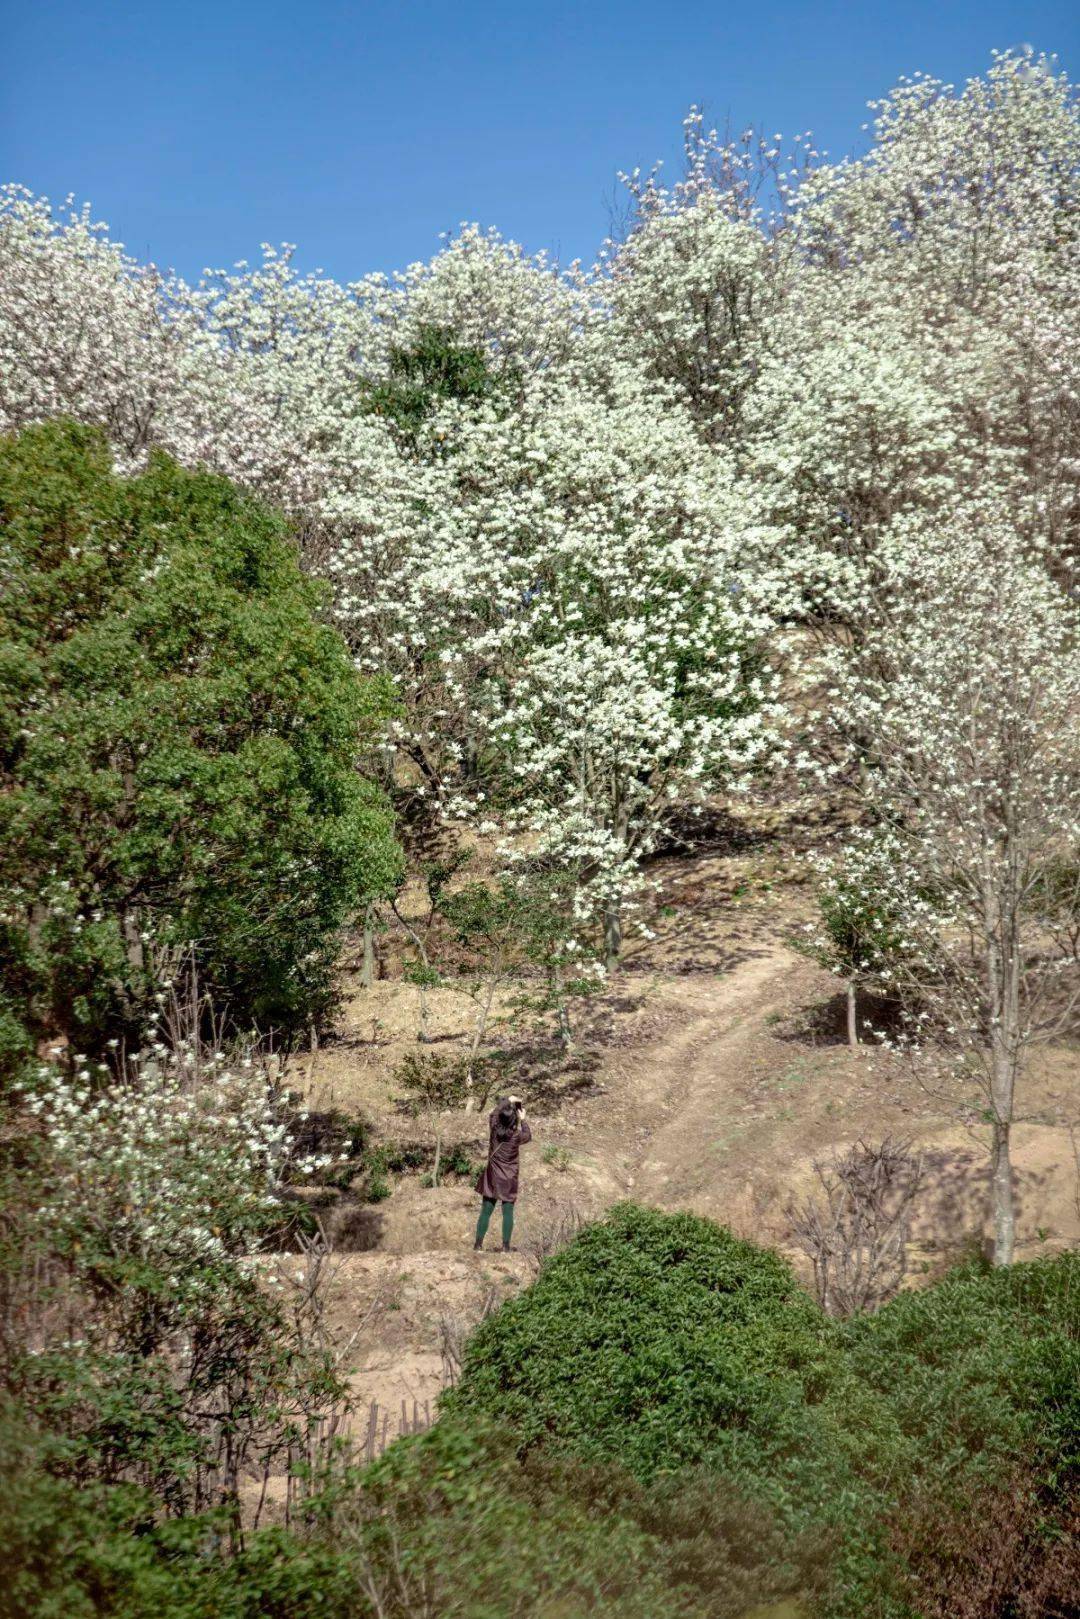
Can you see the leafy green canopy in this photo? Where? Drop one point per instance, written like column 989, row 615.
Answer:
column 435, row 369
column 178, row 732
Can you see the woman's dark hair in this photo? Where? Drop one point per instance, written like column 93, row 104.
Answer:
column 506, row 1119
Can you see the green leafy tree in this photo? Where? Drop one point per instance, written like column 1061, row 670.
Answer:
column 522, row 929
column 436, row 368
column 490, row 924
column 178, row 742
column 434, row 1087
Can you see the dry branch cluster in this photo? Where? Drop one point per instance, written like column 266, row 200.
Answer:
column 856, row 1232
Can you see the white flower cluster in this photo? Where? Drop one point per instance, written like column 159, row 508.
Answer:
column 575, row 597
column 184, row 1176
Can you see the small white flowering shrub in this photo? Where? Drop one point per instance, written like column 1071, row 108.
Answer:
column 140, row 1319
column 155, row 1168
column 877, row 924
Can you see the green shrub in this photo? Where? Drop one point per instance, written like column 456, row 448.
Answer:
column 651, row 1339
column 662, row 1423
column 432, row 1083
column 81, row 1549
column 453, row 1515
column 458, row 1162
column 659, row 1342
column 142, row 1325
column 178, row 733
column 976, row 1372
column 419, row 379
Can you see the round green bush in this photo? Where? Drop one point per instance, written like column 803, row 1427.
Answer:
column 664, row 1345
column 654, row 1338
column 976, row 1372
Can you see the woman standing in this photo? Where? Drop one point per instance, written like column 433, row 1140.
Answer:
column 499, row 1182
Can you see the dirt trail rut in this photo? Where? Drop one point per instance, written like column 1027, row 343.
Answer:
column 701, row 1080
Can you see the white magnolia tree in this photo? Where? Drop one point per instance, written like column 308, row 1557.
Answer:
column 696, row 290
column 87, row 332
column 927, row 348
column 963, row 698
column 573, row 610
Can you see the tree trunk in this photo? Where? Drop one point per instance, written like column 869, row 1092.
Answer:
column 852, row 1017
column 1004, row 975
column 613, row 909
column 1003, row 971
column 133, row 944
column 612, row 936
column 1002, row 1195
column 438, row 1154
column 424, row 969
column 478, row 1034
column 367, row 966
column 557, row 1000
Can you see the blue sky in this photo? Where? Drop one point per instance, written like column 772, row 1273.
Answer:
column 360, row 131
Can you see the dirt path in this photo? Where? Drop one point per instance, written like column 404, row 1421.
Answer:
column 695, row 1091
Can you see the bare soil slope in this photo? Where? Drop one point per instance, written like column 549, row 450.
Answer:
column 718, row 1074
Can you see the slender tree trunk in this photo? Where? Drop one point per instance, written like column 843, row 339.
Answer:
column 1002, row 1193
column 422, row 956
column 612, row 935
column 133, row 944
column 367, row 966
column 852, row 1014
column 438, row 1154
column 479, row 1031
column 1002, row 1091
column 1003, row 971
column 558, row 1002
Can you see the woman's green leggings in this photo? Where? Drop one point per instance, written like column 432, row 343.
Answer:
column 487, row 1209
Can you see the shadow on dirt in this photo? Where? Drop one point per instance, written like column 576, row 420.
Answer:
column 880, row 1021
column 952, row 1207
column 713, row 832
column 701, row 959
column 358, row 1229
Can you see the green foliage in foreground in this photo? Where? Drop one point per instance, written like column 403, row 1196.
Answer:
column 662, row 1423
column 660, row 1342
column 178, row 735
column 76, row 1549
column 650, row 1340
column 550, row 1539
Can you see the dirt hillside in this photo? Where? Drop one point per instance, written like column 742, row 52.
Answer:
column 711, row 1076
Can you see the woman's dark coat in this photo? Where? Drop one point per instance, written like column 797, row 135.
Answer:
column 499, row 1182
